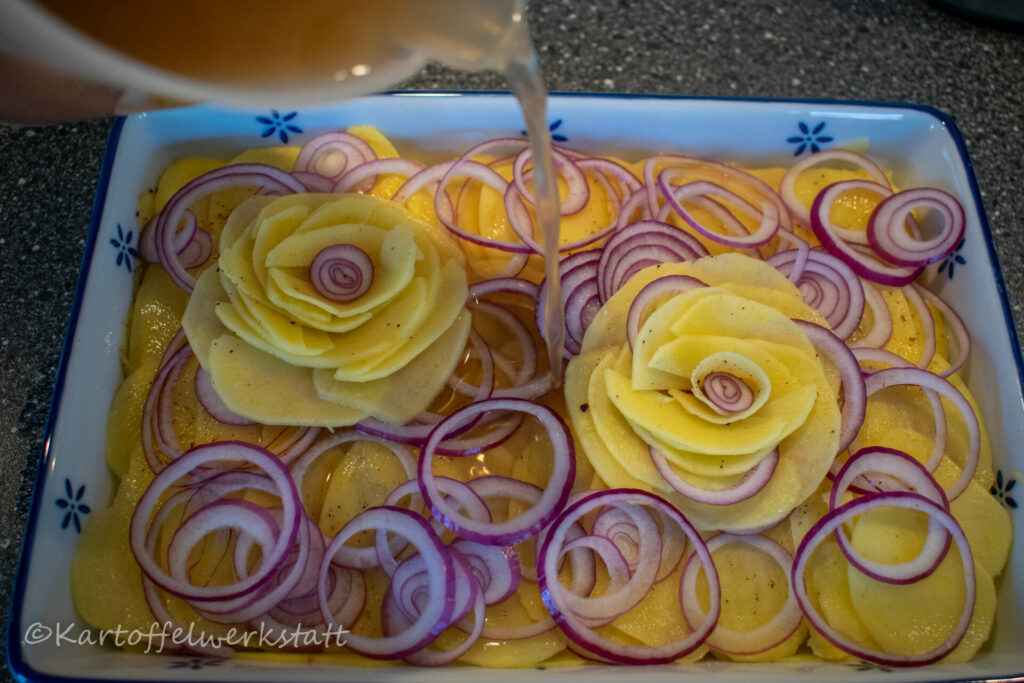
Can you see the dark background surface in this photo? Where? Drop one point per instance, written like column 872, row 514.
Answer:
column 893, row 51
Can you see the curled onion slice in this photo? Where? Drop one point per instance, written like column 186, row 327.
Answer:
column 888, row 235
column 764, row 637
column 526, row 525
column 223, row 452
column 826, row 284
column 641, row 244
column 751, row 483
column 929, row 381
column 556, row 596
column 653, row 290
column 855, row 393
column 788, row 183
column 863, row 262
column 213, row 403
column 341, row 272
column 439, row 581
column 899, row 472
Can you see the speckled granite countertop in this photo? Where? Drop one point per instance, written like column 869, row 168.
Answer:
column 895, row 51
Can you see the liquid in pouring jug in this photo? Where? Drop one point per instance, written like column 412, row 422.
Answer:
column 68, row 59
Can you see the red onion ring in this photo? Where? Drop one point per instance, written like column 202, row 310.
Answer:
column 865, row 265
column 750, row 484
column 223, row 451
column 331, row 154
column 901, row 473
column 828, row 285
column 888, row 236
column 264, row 176
column 788, row 182
column 585, row 638
column 528, row 523
column 639, row 245
column 767, row 213
column 963, row 339
column 828, row 524
column 213, row 403
column 881, row 329
column 341, row 272
column 355, row 178
column 926, row 380
column 440, row 584
column 855, row 393
column 655, row 289
column 764, row 637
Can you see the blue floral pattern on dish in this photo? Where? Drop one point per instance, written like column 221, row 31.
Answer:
column 1001, row 490
column 279, row 123
column 953, row 260
column 809, row 138
column 125, row 251
column 73, row 506
column 552, row 127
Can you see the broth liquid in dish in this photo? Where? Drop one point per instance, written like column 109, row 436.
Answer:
column 344, row 47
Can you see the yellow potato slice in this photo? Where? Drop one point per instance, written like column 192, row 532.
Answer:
column 407, row 392
column 159, row 305
column 364, row 477
column 278, row 393
column 668, row 421
column 577, row 380
column 124, row 422
column 917, row 617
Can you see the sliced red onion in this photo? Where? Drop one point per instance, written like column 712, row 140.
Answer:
column 690, row 166
column 528, row 523
column 496, row 568
column 268, row 178
column 881, row 329
column 767, row 213
column 788, row 182
column 158, row 438
column 828, row 524
column 330, row 154
column 578, row 190
column 899, row 472
column 963, row 339
column 653, row 290
column 198, row 250
column 580, row 298
column 386, row 550
column 556, row 596
column 173, row 473
column 633, row 210
column 764, row 637
column 750, row 484
column 863, row 263
column 855, row 394
column 927, row 380
column 888, row 235
column 402, row 604
column 727, row 392
column 357, row 177
column 213, row 403
column 341, row 272
column 639, row 245
column 619, row 527
column 828, row 285
column 440, row 581
column 314, row 182
column 941, row 427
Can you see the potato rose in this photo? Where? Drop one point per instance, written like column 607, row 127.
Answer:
column 282, row 345
column 719, row 384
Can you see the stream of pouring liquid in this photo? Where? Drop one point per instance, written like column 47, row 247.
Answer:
column 524, row 77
